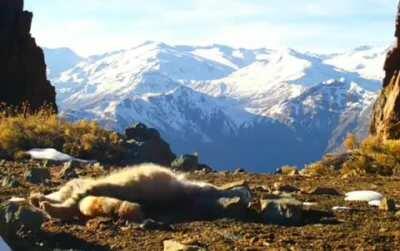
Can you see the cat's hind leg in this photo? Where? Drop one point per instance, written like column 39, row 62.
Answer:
column 92, row 206
column 56, row 197
column 60, row 211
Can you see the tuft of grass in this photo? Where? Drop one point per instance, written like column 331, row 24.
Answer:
column 21, row 130
column 373, row 156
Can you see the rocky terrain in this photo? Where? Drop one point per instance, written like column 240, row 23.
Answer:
column 22, row 67
column 355, row 226
column 310, row 209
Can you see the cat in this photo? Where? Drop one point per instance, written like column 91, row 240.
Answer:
column 124, row 193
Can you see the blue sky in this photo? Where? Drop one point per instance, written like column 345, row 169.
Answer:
column 95, row 26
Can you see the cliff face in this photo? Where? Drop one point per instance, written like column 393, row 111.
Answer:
column 386, row 118
column 22, row 65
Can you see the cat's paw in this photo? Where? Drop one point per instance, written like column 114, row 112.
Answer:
column 130, row 211
column 35, row 199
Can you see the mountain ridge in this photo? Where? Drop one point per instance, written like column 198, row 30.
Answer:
column 204, row 99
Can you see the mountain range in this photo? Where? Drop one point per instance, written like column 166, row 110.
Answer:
column 256, row 109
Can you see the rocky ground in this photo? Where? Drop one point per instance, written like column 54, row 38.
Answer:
column 361, row 228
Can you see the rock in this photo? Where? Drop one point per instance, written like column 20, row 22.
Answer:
column 68, row 171
column 243, row 192
column 205, row 168
column 141, row 133
column 234, row 207
column 386, row 117
column 397, row 214
column 22, row 66
column 324, row 191
column 388, row 204
column 287, row 212
column 9, row 182
column 241, row 183
column 15, row 217
column 37, row 175
column 285, row 188
column 239, row 171
column 288, row 171
column 186, row 163
column 151, row 224
column 171, row 245
column 146, row 145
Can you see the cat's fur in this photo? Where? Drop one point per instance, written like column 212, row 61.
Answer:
column 123, row 193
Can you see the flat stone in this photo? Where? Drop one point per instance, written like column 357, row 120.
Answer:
column 151, row 224
column 324, row 191
column 241, row 183
column 171, row 245
column 285, row 188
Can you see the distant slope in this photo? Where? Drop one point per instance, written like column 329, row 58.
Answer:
column 258, row 109
column 59, row 60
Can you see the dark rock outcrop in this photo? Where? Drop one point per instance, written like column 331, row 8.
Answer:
column 22, row 65
column 386, row 118
column 146, row 145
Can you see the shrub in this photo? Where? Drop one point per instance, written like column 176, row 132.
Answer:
column 21, row 130
column 318, row 169
column 372, row 156
column 351, row 142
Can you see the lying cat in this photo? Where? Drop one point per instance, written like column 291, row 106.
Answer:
column 127, row 192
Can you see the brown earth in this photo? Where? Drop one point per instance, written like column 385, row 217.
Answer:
column 364, row 228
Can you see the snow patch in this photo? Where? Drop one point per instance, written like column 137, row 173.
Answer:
column 52, row 154
column 363, row 196
column 375, row 203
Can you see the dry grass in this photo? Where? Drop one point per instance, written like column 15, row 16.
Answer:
column 373, row 156
column 21, row 130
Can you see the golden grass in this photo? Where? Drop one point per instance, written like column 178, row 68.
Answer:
column 372, row 156
column 21, row 130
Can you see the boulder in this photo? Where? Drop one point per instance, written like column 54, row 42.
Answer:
column 22, row 65
column 37, row 175
column 186, row 163
column 284, row 211
column 145, row 144
column 140, row 132
column 17, row 219
column 234, row 207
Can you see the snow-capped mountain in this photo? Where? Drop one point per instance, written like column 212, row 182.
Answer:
column 256, row 109
column 59, row 60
